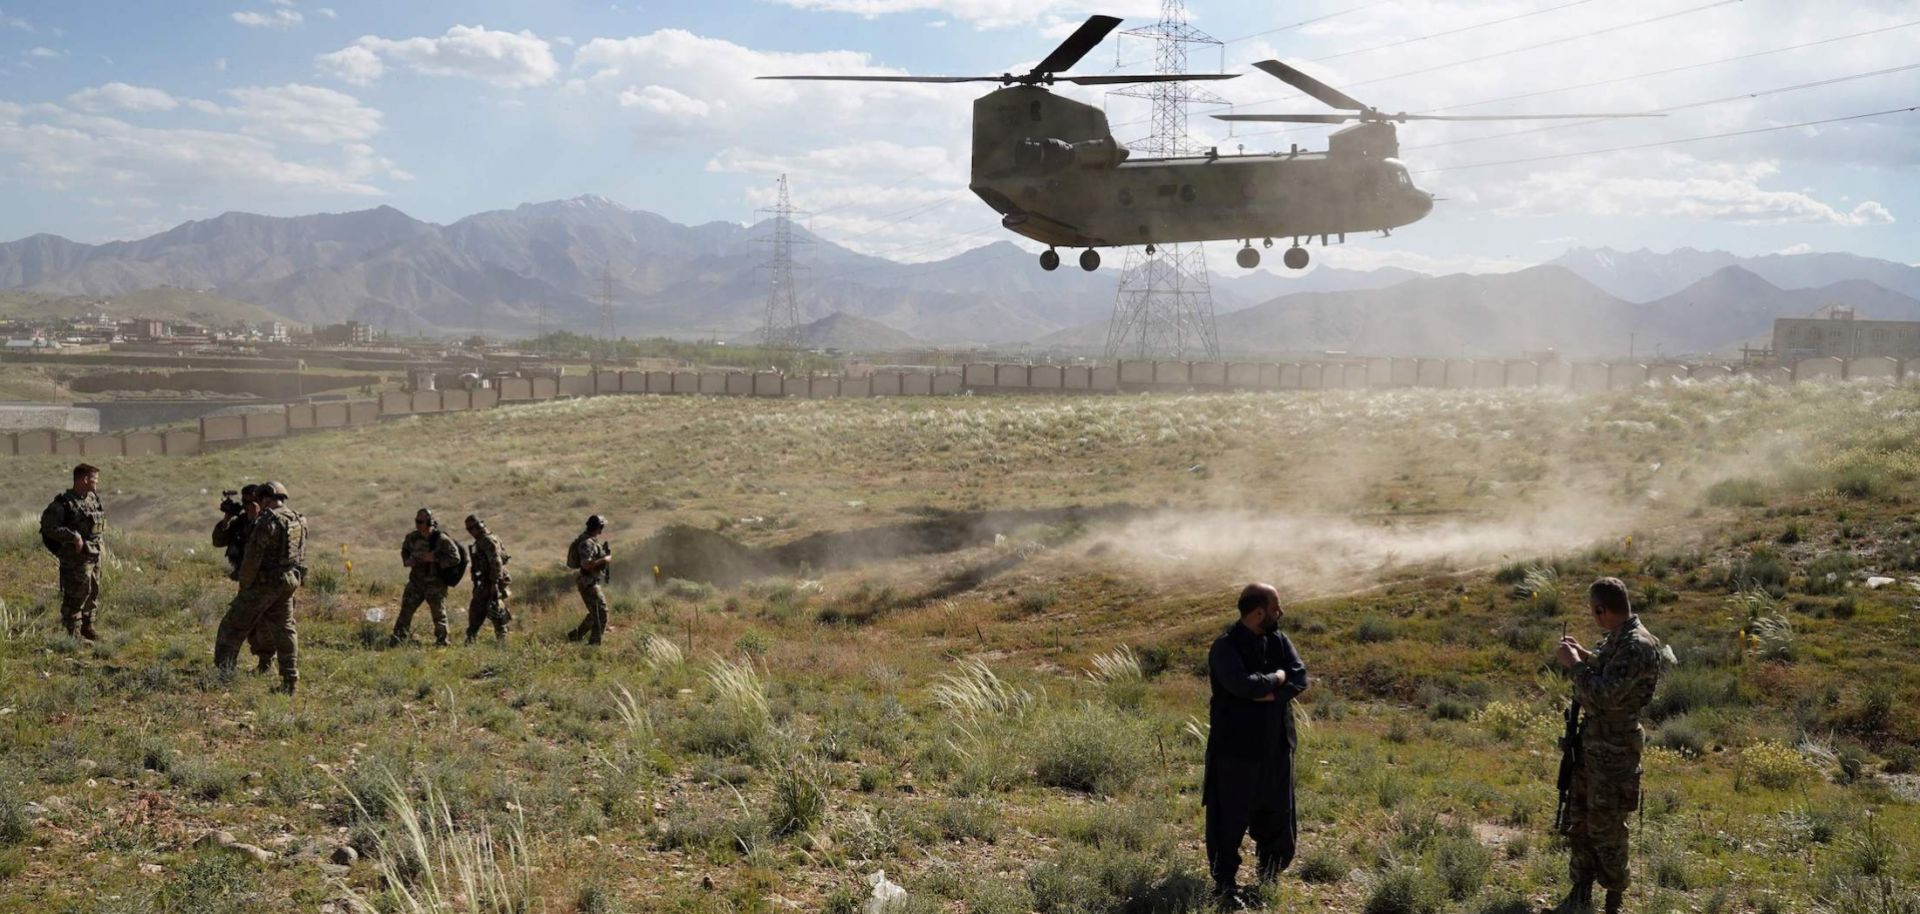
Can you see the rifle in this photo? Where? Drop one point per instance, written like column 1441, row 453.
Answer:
column 1569, row 759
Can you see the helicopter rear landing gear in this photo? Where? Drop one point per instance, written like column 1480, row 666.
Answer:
column 1149, row 250
column 1248, row 258
column 1295, row 258
column 1049, row 260
column 1089, row 260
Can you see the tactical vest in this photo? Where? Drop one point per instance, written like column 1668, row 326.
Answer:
column 290, row 553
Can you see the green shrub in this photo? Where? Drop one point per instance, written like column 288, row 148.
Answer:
column 1402, row 890
column 1374, row 630
column 1681, row 735
column 992, row 894
column 1089, row 748
column 1087, row 880
column 1322, row 865
column 1462, row 864
column 14, row 827
column 1690, row 688
column 799, row 796
column 1737, row 492
column 1831, row 573
column 1760, row 569
column 1774, row 766
column 1859, row 481
column 1507, row 720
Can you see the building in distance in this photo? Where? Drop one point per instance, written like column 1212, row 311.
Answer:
column 1838, row 333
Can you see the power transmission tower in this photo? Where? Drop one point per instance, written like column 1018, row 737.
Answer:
column 781, row 328
column 1165, row 303
column 606, row 303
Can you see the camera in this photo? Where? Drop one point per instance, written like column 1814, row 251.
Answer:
column 230, row 503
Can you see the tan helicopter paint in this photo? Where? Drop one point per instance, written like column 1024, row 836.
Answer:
column 1051, row 167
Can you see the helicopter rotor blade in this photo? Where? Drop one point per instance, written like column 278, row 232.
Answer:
column 893, row 79
column 1084, row 39
column 1289, row 118
column 1502, row 117
column 1116, row 80
column 1333, row 98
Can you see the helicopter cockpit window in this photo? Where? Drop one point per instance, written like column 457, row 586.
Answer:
column 1401, row 177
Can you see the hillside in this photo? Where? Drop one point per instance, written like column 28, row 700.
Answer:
column 510, row 270
column 162, row 302
column 1644, row 276
column 966, row 650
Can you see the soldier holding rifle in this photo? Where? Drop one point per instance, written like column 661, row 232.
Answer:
column 1600, row 768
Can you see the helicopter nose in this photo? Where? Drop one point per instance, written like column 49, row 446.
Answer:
column 1422, row 205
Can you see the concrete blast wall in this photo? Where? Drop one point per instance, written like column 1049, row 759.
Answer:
column 215, row 429
column 516, row 389
column 1666, row 374
column 1523, row 374
column 143, row 444
column 266, row 425
column 576, row 385
column 1177, row 374
column 633, row 382
column 946, row 383
column 1459, row 374
column 856, row 387
column 363, row 412
column 1243, row 374
column 455, row 401
column 977, row 375
column 713, row 382
column 1825, row 368
column 1430, row 373
column 1875, row 368
column 1556, row 374
column 1044, row 377
column 1488, row 374
column 1710, row 372
column 1589, row 377
column 607, row 382
column 918, row 384
column 1015, row 376
column 35, row 443
column 396, row 403
column 885, row 383
column 1135, row 373
column 182, row 442
column 545, row 388
column 1626, row 377
column 101, row 446
column 739, row 384
column 300, row 417
column 427, row 401
column 1208, row 374
column 794, row 387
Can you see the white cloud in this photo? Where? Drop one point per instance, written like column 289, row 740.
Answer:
column 281, row 19
column 1679, row 186
column 327, row 12
column 14, row 22
column 43, row 53
column 66, row 150
column 353, row 64
column 220, row 64
column 305, row 114
column 1792, row 249
column 507, row 59
column 665, row 102
column 982, row 13
column 118, row 96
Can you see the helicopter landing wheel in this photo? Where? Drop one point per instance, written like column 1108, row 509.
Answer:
column 1049, row 260
column 1267, row 243
column 1149, row 250
column 1089, row 260
column 1248, row 258
column 1295, row 258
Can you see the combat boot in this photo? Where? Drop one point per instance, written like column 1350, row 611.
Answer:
column 286, row 687
column 1579, row 900
column 72, row 627
column 86, row 631
column 1615, row 898
column 264, row 666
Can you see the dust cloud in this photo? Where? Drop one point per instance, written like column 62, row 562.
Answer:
column 1309, row 554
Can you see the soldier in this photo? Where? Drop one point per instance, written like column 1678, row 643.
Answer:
column 594, row 559
column 426, row 550
column 71, row 528
column 1256, row 674
column 274, row 568
column 231, row 533
column 490, row 582
column 1613, row 684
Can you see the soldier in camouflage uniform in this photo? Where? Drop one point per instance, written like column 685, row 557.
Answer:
column 231, row 534
column 594, row 560
column 425, row 551
column 274, row 568
column 71, row 528
column 490, row 581
column 1613, row 683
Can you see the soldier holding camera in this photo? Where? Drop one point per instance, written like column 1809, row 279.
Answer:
column 239, row 510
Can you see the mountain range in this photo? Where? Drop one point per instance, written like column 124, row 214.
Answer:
column 510, row 272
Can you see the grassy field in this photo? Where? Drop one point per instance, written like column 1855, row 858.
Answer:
column 963, row 640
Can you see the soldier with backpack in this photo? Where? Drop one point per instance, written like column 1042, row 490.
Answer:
column 593, row 559
column 71, row 529
column 436, row 562
column 274, row 567
column 491, row 582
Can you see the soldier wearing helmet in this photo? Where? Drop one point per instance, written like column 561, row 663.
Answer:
column 426, row 552
column 593, row 558
column 274, row 567
column 490, row 582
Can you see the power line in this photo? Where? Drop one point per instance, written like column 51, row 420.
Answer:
column 1676, row 142
column 1512, row 51
column 1464, row 28
column 1306, row 22
column 1620, row 79
column 1688, row 106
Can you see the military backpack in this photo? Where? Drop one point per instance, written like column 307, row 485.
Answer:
column 452, row 576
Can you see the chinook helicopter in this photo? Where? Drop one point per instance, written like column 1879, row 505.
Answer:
column 1053, row 170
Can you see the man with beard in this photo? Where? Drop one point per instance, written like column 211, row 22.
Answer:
column 1256, row 674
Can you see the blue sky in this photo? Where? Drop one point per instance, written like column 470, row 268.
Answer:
column 121, row 119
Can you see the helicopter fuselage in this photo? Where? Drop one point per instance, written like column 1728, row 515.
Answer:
column 1051, row 167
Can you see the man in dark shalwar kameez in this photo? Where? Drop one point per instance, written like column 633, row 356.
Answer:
column 1256, row 675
